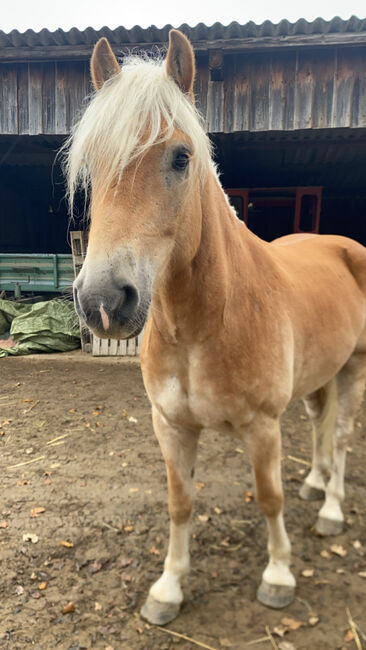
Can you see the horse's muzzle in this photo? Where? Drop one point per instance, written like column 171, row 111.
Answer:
column 109, row 314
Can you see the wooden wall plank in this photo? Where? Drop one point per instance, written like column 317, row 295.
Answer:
column 345, row 80
column 75, row 91
column 71, row 90
column 304, row 88
column 23, row 99
column 60, row 99
column 276, row 94
column 289, row 62
column 35, row 98
column 88, row 86
column 259, row 82
column 2, row 102
column 9, row 100
column 215, row 107
column 201, row 85
column 241, row 99
column 358, row 99
column 229, row 92
column 360, row 121
column 323, row 72
column 48, row 98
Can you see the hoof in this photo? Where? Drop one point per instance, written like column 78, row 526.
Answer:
column 159, row 613
column 309, row 493
column 276, row 596
column 326, row 527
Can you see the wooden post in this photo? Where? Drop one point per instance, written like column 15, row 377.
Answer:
column 79, row 240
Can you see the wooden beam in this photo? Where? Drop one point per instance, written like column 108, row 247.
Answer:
column 263, row 43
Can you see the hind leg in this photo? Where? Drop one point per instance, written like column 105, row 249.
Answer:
column 350, row 384
column 321, row 409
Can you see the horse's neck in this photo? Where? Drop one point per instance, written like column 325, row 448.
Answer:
column 191, row 302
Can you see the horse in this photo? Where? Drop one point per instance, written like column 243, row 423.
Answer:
column 235, row 327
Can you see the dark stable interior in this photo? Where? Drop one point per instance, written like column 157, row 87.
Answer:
column 34, row 213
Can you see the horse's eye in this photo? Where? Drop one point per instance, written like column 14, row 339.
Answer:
column 180, row 160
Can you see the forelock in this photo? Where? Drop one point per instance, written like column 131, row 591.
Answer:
column 136, row 108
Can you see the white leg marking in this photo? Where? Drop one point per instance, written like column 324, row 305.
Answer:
column 321, row 460
column 351, row 384
column 323, row 415
column 334, row 493
column 315, row 478
column 277, row 571
column 265, row 447
column 167, row 589
column 179, row 448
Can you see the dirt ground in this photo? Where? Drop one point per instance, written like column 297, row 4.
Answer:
column 83, row 520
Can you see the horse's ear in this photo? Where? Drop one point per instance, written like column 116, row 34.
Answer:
column 180, row 62
column 103, row 64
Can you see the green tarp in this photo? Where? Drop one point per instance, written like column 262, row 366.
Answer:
column 50, row 326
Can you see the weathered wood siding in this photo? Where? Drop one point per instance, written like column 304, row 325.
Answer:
column 41, row 98
column 285, row 90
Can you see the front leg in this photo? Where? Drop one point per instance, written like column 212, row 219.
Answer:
column 179, row 449
column 277, row 588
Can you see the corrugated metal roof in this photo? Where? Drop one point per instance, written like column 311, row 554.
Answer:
column 201, row 32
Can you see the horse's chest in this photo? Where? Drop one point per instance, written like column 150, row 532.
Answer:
column 196, row 403
column 180, row 403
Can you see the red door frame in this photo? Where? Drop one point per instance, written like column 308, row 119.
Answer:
column 299, row 192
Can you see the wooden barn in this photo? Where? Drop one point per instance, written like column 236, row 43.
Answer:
column 284, row 104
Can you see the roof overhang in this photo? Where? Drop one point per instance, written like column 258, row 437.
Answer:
column 78, row 45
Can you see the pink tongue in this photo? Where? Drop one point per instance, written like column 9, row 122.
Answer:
column 104, row 317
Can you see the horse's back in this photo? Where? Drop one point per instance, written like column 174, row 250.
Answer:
column 292, row 238
column 329, row 252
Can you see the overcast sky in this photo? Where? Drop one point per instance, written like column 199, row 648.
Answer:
column 36, row 14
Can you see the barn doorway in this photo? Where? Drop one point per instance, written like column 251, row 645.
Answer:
column 33, row 210
column 331, row 159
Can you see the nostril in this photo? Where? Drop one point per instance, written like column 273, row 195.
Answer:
column 130, row 293
column 105, row 307
column 130, row 300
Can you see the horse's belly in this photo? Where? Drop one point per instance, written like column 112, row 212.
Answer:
column 323, row 357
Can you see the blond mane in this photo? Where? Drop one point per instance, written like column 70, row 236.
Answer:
column 135, row 109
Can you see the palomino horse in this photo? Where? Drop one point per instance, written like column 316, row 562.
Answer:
column 236, row 327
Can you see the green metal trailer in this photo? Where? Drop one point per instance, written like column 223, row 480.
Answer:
column 41, row 273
